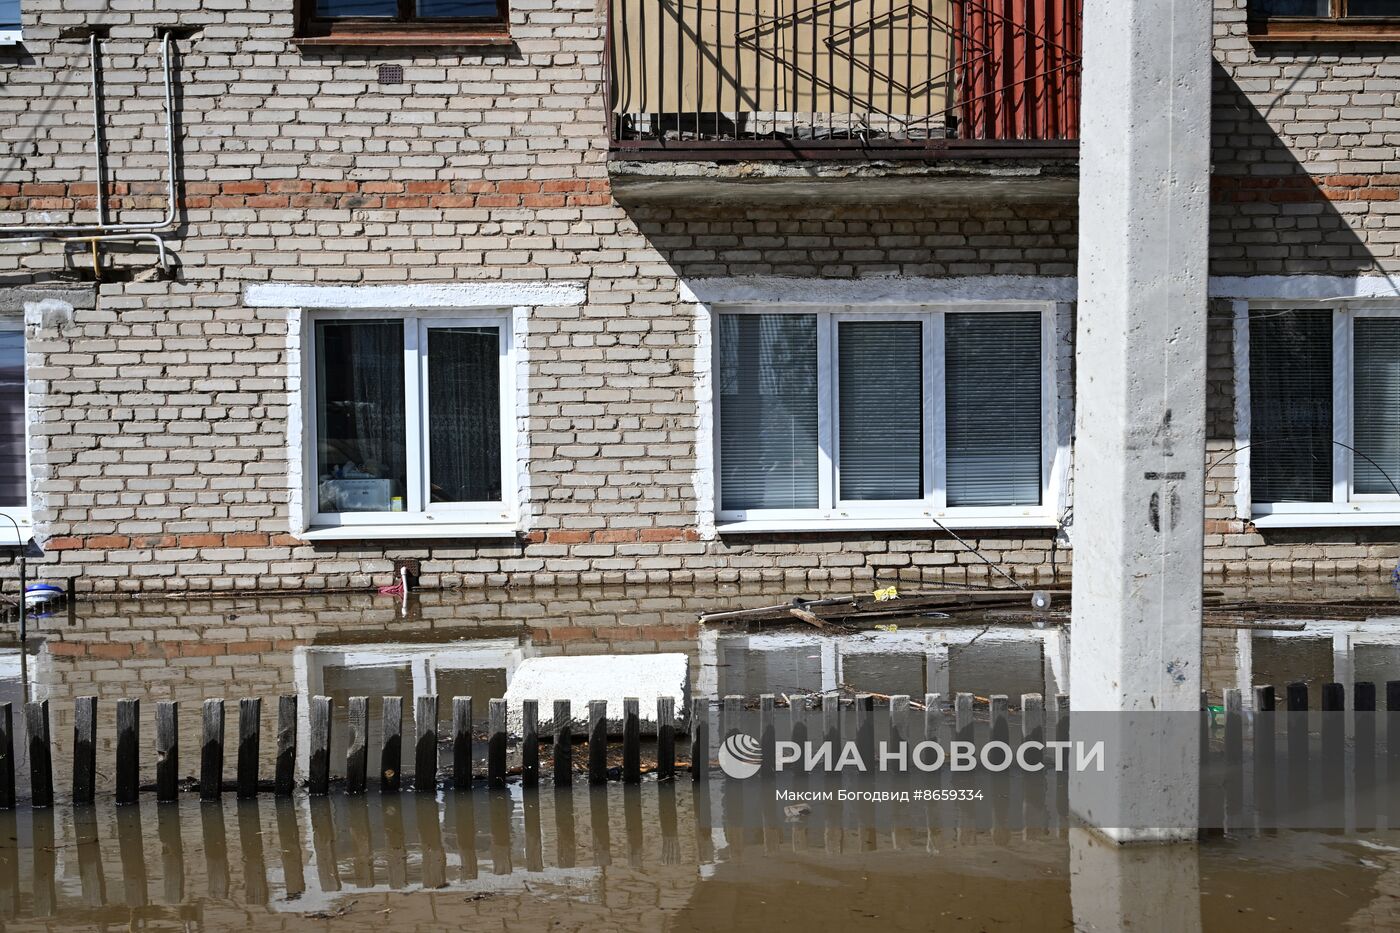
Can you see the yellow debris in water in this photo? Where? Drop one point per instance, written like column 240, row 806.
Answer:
column 887, row 594
column 887, row 628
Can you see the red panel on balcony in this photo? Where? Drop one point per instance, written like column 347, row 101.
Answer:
column 1017, row 67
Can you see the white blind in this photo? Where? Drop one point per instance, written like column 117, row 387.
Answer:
column 768, row 411
column 994, row 417
column 881, row 395
column 1290, row 396
column 1376, row 406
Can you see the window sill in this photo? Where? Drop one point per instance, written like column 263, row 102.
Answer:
column 1327, row 520
column 410, row 39
column 1324, row 30
column 809, row 526
column 11, row 37
column 406, row 532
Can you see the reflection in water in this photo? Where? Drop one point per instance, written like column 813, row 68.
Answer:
column 414, row 860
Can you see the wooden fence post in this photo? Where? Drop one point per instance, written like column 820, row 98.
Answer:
column 167, row 750
column 36, row 721
column 391, row 753
column 249, row 742
column 84, row 750
column 211, row 758
column 462, row 743
column 425, row 750
column 128, row 750
column 563, row 743
column 319, row 735
column 284, row 779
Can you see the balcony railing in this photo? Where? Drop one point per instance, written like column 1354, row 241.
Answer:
column 746, row 79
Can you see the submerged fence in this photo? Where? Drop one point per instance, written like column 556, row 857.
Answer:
column 1261, row 767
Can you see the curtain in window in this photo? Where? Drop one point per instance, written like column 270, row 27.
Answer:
column 994, row 426
column 768, row 411
column 361, row 452
column 880, row 368
column 1376, row 406
column 464, row 414
column 1290, row 393
column 13, row 467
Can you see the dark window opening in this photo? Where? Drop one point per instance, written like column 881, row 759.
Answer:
column 1337, row 20
column 404, row 22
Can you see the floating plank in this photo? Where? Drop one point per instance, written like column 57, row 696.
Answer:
column 462, row 743
column 284, row 776
column 84, row 750
column 36, row 721
column 391, row 750
column 425, row 745
column 249, row 742
column 319, row 736
column 211, row 755
column 167, row 750
column 128, row 750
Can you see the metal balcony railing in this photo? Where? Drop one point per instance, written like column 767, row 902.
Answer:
column 751, row 79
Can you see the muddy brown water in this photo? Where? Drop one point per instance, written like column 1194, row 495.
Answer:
column 639, row 860
column 636, row 859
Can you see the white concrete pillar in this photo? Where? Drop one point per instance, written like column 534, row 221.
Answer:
column 1146, row 889
column 1140, row 447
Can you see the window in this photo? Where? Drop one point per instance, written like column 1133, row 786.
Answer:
column 832, row 416
column 1341, row 20
column 411, row 420
column 9, row 22
column 14, row 441
column 403, row 22
column 1324, row 408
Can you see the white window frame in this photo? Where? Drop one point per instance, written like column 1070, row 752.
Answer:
column 1346, row 508
column 419, row 518
column 832, row 513
column 17, row 525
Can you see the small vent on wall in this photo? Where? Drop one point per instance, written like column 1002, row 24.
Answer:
column 391, row 74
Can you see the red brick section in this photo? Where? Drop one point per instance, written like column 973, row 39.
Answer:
column 313, row 195
column 1294, row 189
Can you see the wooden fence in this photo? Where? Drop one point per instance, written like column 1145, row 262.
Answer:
column 1223, row 740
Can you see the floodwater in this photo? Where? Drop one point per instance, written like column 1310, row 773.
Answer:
column 647, row 858
column 636, row 858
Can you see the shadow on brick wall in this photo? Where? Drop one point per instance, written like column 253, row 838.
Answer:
column 1270, row 215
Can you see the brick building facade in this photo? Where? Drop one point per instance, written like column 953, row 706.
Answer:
column 468, row 197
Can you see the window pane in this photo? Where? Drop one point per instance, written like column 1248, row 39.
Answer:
column 1373, row 8
column 464, row 414
column 331, row 9
column 458, row 9
column 1290, row 395
column 768, row 411
column 1376, row 404
column 360, row 449
column 994, row 419
column 9, row 14
column 1290, row 7
column 13, row 471
column 881, row 379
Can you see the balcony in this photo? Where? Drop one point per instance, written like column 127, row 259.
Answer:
column 773, row 90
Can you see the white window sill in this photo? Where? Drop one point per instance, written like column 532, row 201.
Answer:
column 11, row 37
column 16, row 527
column 406, row 532
column 1327, row 520
column 961, row 522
